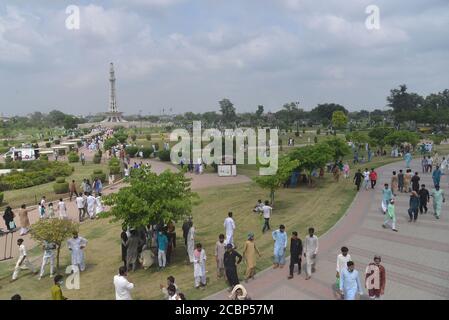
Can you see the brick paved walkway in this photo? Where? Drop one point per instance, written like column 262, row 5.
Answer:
column 416, row 258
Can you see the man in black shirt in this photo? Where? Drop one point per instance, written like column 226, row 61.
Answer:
column 415, row 182
column 295, row 253
column 424, row 198
column 230, row 265
column 358, row 179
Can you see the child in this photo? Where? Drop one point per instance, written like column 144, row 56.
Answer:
column 51, row 211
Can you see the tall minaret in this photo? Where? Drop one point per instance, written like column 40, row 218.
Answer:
column 112, row 98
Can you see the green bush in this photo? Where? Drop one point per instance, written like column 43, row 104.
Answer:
column 297, row 134
column 121, row 136
column 146, row 152
column 1, row 198
column 164, row 155
column 57, row 141
column 315, row 139
column 109, row 143
column 131, row 151
column 148, row 137
column 79, row 144
column 114, row 169
column 97, row 158
column 133, row 137
column 43, row 157
column 437, row 139
column 61, row 186
column 47, row 144
column 318, row 131
column 8, row 159
column 73, row 157
column 99, row 174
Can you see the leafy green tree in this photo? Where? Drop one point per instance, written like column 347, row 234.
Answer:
column 109, row 143
column 398, row 137
column 274, row 182
column 313, row 157
column 151, row 198
column 323, row 112
column 378, row 136
column 405, row 105
column 339, row 119
column 338, row 147
column 227, row 111
column 54, row 230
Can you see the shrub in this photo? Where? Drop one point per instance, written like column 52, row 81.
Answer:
column 133, row 137
column 8, row 159
column 148, row 137
column 303, row 130
column 1, row 198
column 97, row 158
column 99, row 174
column 114, row 169
column 297, row 134
column 47, row 144
column 121, row 136
column 315, row 139
column 109, row 143
column 156, row 146
column 318, row 131
column 73, row 157
column 146, row 152
column 57, row 141
column 79, row 144
column 164, row 155
column 131, row 151
column 61, row 186
column 60, row 180
column 43, row 157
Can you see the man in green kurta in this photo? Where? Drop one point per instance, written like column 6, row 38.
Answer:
column 438, row 199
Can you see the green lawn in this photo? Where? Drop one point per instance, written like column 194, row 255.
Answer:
column 30, row 196
column 296, row 208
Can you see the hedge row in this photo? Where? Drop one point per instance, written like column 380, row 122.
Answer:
column 35, row 176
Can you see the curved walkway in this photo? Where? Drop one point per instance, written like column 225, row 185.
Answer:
column 416, row 258
column 206, row 180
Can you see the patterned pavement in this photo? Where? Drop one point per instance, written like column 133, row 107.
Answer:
column 416, row 258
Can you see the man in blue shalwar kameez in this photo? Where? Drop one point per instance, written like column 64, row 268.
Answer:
column 280, row 245
column 350, row 282
column 436, row 176
column 408, row 158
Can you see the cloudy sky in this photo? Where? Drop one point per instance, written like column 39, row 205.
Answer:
column 189, row 54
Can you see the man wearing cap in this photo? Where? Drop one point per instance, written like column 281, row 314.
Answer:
column 249, row 252
column 390, row 217
column 375, row 279
column 280, row 245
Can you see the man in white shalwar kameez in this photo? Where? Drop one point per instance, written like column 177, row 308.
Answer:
column 91, row 206
column 350, row 282
column 98, row 204
column 76, row 245
column 191, row 242
column 229, row 226
column 62, row 209
column 310, row 252
column 199, row 266
column 49, row 256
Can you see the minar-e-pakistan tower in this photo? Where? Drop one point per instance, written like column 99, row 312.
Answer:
column 113, row 115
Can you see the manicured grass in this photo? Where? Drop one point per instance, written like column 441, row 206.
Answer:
column 296, row 208
column 30, row 196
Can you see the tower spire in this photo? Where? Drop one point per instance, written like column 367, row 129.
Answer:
column 112, row 97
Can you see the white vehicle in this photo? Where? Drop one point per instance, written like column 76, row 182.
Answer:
column 24, row 154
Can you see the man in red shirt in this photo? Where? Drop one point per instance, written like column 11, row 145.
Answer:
column 375, row 279
column 373, row 178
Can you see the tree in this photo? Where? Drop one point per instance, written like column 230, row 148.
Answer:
column 312, row 157
column 151, row 198
column 338, row 147
column 274, row 182
column 259, row 111
column 378, row 136
column 339, row 119
column 55, row 231
column 398, row 137
column 405, row 105
column 323, row 112
column 109, row 143
column 228, row 111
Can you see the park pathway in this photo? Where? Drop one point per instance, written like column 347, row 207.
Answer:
column 416, row 258
column 206, row 180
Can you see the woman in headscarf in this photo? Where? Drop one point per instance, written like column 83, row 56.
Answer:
column 8, row 216
column 239, row 293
